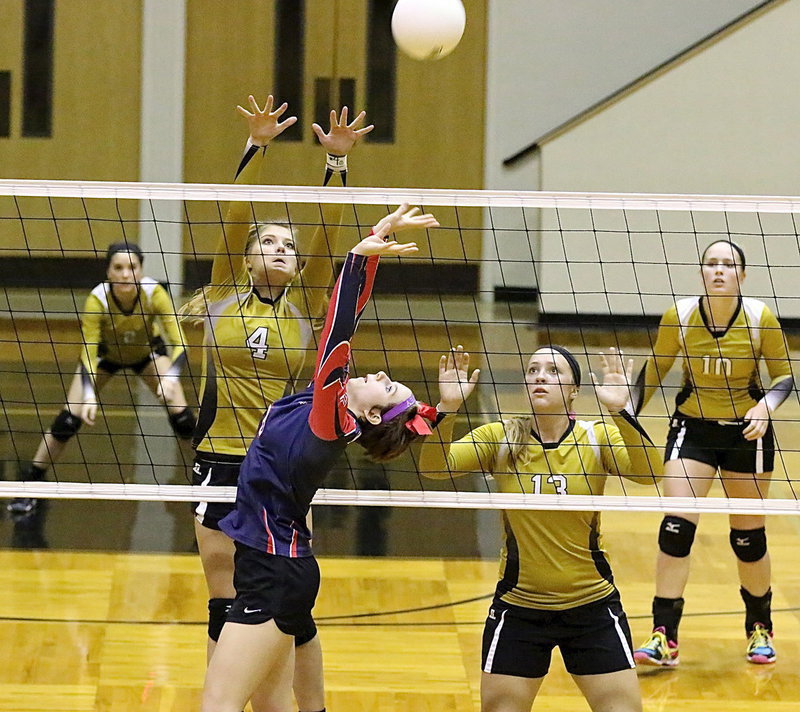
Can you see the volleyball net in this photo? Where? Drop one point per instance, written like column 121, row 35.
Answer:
column 505, row 273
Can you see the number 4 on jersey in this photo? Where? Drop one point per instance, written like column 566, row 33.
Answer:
column 257, row 342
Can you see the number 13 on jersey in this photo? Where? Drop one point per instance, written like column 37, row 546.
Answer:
column 257, row 342
column 559, row 483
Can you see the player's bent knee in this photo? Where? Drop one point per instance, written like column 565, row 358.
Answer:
column 217, row 615
column 65, row 426
column 676, row 536
column 749, row 545
column 183, row 423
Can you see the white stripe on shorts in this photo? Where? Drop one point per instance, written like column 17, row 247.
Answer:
column 676, row 448
column 622, row 639
column 493, row 646
column 200, row 512
column 760, row 455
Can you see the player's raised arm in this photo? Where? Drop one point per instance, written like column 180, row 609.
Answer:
column 439, row 457
column 329, row 418
column 626, row 449
column 265, row 125
column 317, row 273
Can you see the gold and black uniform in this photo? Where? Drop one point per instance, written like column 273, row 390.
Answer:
column 114, row 338
column 720, row 382
column 555, row 583
column 254, row 348
column 554, row 559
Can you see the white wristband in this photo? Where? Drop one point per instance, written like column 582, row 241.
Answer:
column 336, row 164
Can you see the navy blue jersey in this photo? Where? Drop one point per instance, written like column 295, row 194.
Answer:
column 302, row 436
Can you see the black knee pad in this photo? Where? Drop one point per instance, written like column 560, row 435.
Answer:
column 676, row 536
column 65, row 426
column 183, row 423
column 749, row 545
column 217, row 614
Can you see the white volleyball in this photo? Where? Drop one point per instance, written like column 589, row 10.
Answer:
column 428, row 29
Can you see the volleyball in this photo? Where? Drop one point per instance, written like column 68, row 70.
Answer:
column 428, row 29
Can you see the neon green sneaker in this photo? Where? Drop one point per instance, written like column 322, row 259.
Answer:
column 657, row 650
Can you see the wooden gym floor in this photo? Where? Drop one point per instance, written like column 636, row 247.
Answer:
column 110, row 617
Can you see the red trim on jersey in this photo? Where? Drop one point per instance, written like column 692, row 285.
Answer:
column 293, row 547
column 329, row 418
column 270, row 538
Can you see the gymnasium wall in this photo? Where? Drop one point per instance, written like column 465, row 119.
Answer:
column 724, row 121
column 437, row 109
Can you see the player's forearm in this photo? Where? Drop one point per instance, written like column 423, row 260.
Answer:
column 319, row 257
column 229, row 253
column 435, row 449
column 646, row 466
column 778, row 392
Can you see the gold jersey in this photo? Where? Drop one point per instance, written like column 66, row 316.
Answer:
column 126, row 337
column 254, row 348
column 721, row 379
column 554, row 559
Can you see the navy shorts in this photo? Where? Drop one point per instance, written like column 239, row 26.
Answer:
column 278, row 588
column 719, row 444
column 214, row 471
column 594, row 639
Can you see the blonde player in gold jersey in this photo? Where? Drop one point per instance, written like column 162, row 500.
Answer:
column 258, row 312
column 721, row 424
column 128, row 322
column 556, row 587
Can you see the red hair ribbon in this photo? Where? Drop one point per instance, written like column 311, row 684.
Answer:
column 418, row 424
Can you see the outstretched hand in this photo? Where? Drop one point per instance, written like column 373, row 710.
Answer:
column 374, row 245
column 614, row 391
column 341, row 136
column 455, row 383
column 403, row 218
column 264, row 123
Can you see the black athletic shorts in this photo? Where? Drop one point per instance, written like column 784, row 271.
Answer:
column 278, row 588
column 214, row 471
column 719, row 443
column 594, row 639
column 159, row 348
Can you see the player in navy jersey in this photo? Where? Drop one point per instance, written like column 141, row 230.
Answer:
column 299, row 439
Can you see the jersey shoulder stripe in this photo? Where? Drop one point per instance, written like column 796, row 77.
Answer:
column 148, row 285
column 589, row 426
column 100, row 292
column 685, row 308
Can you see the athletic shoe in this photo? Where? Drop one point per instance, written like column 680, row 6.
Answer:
column 22, row 507
column 658, row 650
column 759, row 647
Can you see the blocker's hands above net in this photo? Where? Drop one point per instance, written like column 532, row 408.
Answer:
column 341, row 136
column 455, row 383
column 265, row 124
column 614, row 390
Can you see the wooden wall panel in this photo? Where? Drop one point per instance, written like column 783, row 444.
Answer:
column 96, row 108
column 440, row 105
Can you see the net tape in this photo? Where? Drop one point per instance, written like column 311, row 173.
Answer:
column 388, row 498
column 393, row 196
